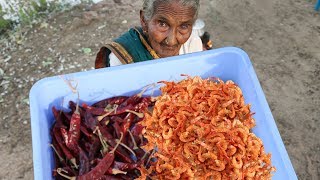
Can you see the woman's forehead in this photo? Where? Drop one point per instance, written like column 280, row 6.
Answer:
column 174, row 10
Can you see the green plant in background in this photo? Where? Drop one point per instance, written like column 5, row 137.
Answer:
column 4, row 23
column 27, row 13
column 33, row 11
column 41, row 7
column 23, row 16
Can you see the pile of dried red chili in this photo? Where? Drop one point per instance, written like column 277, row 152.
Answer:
column 100, row 141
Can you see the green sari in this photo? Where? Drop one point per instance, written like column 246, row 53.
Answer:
column 130, row 47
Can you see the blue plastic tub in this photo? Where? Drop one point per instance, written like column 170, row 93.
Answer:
column 226, row 63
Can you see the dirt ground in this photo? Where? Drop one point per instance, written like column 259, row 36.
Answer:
column 282, row 38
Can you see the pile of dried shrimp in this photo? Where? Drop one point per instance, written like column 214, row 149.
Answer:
column 201, row 128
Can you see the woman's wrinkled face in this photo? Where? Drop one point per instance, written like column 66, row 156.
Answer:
column 169, row 28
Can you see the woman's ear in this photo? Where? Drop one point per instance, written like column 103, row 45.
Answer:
column 143, row 22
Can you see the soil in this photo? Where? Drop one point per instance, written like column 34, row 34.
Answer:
column 282, row 38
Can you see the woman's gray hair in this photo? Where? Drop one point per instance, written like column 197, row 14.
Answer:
column 149, row 6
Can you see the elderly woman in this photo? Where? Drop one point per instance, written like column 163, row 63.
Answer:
column 166, row 30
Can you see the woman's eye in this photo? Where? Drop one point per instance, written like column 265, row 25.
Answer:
column 184, row 26
column 162, row 24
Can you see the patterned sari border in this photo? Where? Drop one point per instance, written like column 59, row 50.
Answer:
column 120, row 52
column 146, row 44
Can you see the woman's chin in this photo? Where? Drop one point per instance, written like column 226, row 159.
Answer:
column 168, row 53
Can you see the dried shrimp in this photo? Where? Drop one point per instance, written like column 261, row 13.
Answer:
column 202, row 130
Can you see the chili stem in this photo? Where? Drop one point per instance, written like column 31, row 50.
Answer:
column 68, row 82
column 105, row 146
column 141, row 138
column 108, row 107
column 99, row 118
column 118, row 171
column 125, row 146
column 154, row 99
column 77, row 107
column 140, row 115
column 73, row 161
column 145, row 155
column 107, row 122
column 55, row 150
column 60, row 170
column 133, row 141
column 145, row 88
column 118, row 142
column 151, row 154
column 111, row 108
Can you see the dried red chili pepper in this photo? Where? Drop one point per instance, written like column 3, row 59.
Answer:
column 90, row 121
column 128, row 176
column 64, row 134
column 132, row 100
column 67, row 153
column 94, row 110
column 74, row 132
column 94, row 147
column 85, row 131
column 67, row 119
column 113, row 117
column 124, row 156
column 137, row 98
column 137, row 134
column 109, row 177
column 72, row 106
column 101, row 111
column 116, row 128
column 124, row 166
column 105, row 133
column 116, row 118
column 111, row 140
column 57, row 116
column 120, row 152
column 99, row 170
column 113, row 100
column 84, row 163
column 137, row 129
column 129, row 120
column 85, row 144
column 143, row 105
column 102, row 167
column 127, row 123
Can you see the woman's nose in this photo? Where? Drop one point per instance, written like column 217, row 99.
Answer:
column 172, row 38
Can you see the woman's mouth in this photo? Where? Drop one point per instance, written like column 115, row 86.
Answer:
column 169, row 48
